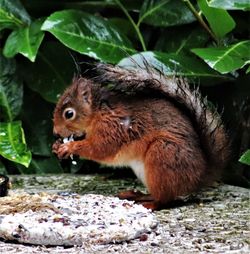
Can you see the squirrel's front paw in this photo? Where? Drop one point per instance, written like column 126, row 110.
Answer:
column 56, row 146
column 63, row 151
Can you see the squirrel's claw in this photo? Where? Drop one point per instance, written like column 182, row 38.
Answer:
column 140, row 198
column 56, row 146
column 63, row 151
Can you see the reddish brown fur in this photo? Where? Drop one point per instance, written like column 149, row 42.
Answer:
column 124, row 128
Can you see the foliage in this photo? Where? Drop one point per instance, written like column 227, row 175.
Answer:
column 245, row 158
column 205, row 41
column 225, row 59
column 13, row 146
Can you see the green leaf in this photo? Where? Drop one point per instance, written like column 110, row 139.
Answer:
column 11, row 90
column 12, row 14
column 25, row 41
column 180, row 39
column 123, row 26
column 88, row 34
column 245, row 158
column 219, row 20
column 230, row 4
column 12, row 145
column 51, row 73
column 248, row 70
column 172, row 65
column 49, row 6
column 226, row 59
column 165, row 13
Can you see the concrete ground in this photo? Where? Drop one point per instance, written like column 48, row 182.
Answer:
column 216, row 220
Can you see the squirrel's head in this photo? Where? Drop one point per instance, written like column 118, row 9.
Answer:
column 73, row 110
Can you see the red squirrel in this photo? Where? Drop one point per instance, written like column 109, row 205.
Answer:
column 156, row 125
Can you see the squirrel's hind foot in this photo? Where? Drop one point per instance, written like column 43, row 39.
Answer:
column 140, row 198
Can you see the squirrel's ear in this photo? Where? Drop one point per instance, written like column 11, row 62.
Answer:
column 84, row 89
column 86, row 95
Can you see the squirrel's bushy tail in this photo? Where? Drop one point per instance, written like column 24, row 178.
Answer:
column 206, row 121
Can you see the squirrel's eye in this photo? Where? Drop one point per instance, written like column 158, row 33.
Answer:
column 69, row 114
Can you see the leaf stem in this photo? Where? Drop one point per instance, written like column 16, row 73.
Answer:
column 137, row 30
column 199, row 19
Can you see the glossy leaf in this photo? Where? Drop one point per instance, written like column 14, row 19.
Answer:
column 12, row 14
column 51, row 73
column 230, row 4
column 226, row 59
column 124, row 27
column 12, row 145
column 11, row 90
column 248, row 70
column 172, row 65
column 89, row 35
column 180, row 39
column 25, row 41
column 165, row 13
column 40, row 6
column 219, row 20
column 245, row 158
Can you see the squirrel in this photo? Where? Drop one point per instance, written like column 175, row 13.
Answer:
column 139, row 118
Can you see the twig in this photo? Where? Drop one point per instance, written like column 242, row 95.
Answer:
column 199, row 18
column 133, row 24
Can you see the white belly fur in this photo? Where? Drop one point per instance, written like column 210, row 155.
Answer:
column 138, row 168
